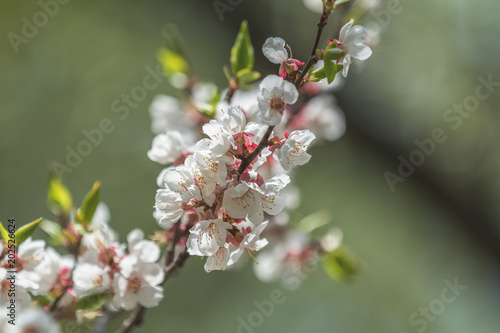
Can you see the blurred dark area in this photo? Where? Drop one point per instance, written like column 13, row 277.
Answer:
column 414, row 183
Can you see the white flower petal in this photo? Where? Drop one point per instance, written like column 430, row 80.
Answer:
column 274, row 50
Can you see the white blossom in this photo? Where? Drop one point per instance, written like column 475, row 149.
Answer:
column 36, row 266
column 33, row 321
column 352, row 40
column 212, row 167
column 207, row 236
column 324, row 118
column 283, row 261
column 293, row 152
column 144, row 249
column 181, row 180
column 251, row 241
column 10, row 286
column 167, row 147
column 274, row 50
column 218, row 261
column 168, row 207
column 90, row 276
column 246, row 100
column 242, row 200
column 137, row 282
column 167, row 114
column 275, row 94
column 233, row 121
column 220, row 140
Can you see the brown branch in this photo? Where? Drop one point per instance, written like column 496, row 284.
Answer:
column 262, row 144
column 233, row 86
column 313, row 58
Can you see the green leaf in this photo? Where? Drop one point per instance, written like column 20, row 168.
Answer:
column 332, row 45
column 242, row 54
column 5, row 233
column 227, row 73
column 314, row 221
column 342, row 264
column 334, row 54
column 318, row 75
column 339, row 2
column 247, row 76
column 208, row 110
column 89, row 205
column 172, row 62
column 54, row 231
column 92, row 302
column 330, row 70
column 26, row 230
column 41, row 300
column 58, row 197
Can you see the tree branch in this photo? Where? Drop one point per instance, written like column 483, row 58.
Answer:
column 262, row 144
column 313, row 58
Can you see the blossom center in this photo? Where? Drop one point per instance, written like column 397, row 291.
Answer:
column 134, row 284
column 277, row 103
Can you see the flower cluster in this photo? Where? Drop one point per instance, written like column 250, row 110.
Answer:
column 102, row 269
column 225, row 192
column 228, row 186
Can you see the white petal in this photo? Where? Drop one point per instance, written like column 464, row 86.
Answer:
column 150, row 296
column 218, row 261
column 274, row 50
column 290, row 93
column 345, row 30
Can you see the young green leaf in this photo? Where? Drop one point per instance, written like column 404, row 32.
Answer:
column 330, row 70
column 342, row 264
column 5, row 233
column 208, row 110
column 242, row 53
column 314, row 221
column 26, row 230
column 89, row 205
column 227, row 73
column 339, row 2
column 92, row 302
column 54, row 231
column 58, row 197
column 247, row 76
column 318, row 75
column 172, row 62
column 334, row 54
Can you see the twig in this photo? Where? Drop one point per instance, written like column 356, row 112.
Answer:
column 262, row 144
column 313, row 58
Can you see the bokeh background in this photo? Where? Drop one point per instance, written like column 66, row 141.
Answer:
column 441, row 223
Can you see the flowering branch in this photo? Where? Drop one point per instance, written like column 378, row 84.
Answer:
column 216, row 196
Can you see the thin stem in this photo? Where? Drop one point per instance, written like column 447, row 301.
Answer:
column 313, row 58
column 262, row 144
column 169, row 256
column 233, row 86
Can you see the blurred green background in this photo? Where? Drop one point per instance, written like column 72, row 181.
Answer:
column 441, row 223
